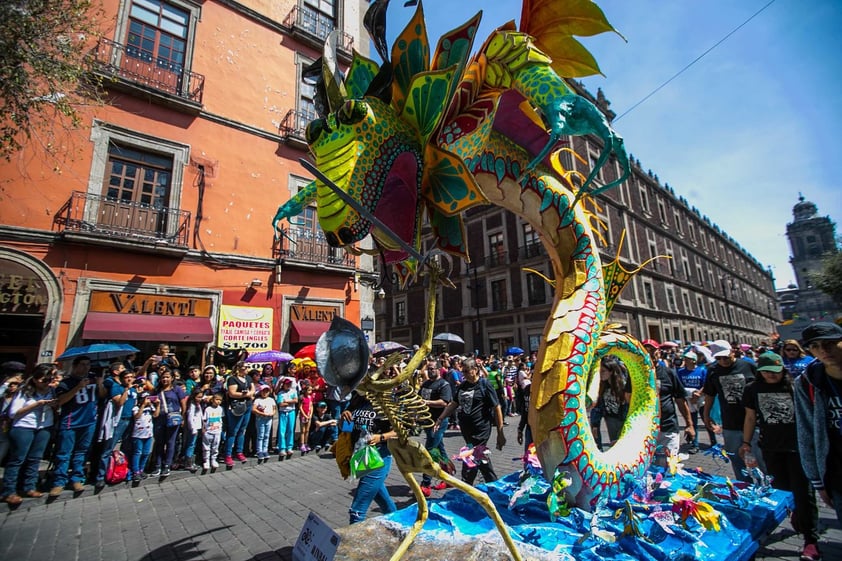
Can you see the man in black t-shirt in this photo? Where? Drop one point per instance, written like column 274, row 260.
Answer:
column 727, row 380
column 478, row 409
column 437, row 394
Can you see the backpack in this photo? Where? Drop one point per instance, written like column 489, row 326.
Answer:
column 118, row 468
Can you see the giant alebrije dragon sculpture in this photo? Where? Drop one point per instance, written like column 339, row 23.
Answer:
column 442, row 134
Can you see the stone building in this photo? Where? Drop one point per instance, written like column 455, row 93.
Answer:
column 811, row 239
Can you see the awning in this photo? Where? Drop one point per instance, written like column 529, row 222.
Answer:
column 125, row 327
column 307, row 331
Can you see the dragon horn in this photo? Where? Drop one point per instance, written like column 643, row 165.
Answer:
column 331, row 75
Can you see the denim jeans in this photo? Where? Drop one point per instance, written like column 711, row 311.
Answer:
column 336, row 408
column 372, row 487
column 432, row 441
column 190, row 439
column 264, row 428
column 141, row 448
column 27, row 449
column 236, row 432
column 71, row 451
column 286, row 431
column 319, row 437
column 109, row 445
column 165, row 438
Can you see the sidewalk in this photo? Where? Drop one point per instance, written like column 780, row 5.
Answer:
column 251, row 513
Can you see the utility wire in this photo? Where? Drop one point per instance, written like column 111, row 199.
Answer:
column 697, row 59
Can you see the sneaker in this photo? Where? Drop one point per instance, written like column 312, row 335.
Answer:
column 440, row 486
column 98, row 487
column 206, row 465
column 33, row 494
column 229, row 461
column 241, row 457
column 165, row 472
column 693, row 450
column 137, row 477
column 304, row 449
column 426, row 491
column 810, row 553
column 289, row 454
column 56, row 491
column 214, row 463
column 318, row 449
column 78, row 486
column 155, row 473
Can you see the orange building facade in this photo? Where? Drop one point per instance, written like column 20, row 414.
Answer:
column 152, row 222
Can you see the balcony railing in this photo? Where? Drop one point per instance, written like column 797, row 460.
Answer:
column 124, row 220
column 317, row 25
column 130, row 64
column 531, row 250
column 306, row 244
column 295, row 124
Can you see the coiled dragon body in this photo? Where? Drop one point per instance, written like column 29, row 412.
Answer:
column 443, row 134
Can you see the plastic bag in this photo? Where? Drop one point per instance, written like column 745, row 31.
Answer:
column 365, row 460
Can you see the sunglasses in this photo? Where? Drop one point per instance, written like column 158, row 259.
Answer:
column 791, row 350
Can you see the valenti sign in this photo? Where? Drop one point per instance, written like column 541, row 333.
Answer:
column 245, row 327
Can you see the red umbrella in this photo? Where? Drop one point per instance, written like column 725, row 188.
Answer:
column 307, row 352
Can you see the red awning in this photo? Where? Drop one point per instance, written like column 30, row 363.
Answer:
column 125, row 327
column 307, row 331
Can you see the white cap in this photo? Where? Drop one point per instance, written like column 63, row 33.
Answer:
column 691, row 355
column 720, row 347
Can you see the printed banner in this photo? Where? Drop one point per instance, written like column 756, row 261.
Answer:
column 245, row 327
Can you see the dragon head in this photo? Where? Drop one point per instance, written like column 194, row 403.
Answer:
column 376, row 158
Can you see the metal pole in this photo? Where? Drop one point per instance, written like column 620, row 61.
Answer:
column 478, row 329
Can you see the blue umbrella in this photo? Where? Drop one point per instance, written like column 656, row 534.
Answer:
column 99, row 351
column 269, row 356
column 514, row 351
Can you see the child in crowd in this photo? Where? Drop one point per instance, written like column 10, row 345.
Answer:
column 264, row 411
column 193, row 429
column 305, row 412
column 212, row 435
column 149, row 408
column 287, row 403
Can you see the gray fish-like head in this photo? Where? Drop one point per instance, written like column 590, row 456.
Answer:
column 342, row 354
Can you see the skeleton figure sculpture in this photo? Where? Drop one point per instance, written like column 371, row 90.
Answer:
column 442, row 134
column 401, row 404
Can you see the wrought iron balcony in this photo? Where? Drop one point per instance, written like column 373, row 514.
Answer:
column 294, row 125
column 534, row 249
column 316, row 26
column 132, row 65
column 109, row 217
column 308, row 245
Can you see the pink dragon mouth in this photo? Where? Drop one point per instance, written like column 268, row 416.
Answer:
column 397, row 207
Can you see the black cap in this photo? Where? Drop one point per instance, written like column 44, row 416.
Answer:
column 821, row 331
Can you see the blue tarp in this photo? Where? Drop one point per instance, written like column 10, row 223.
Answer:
column 755, row 513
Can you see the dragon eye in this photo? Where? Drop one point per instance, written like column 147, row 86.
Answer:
column 351, row 112
column 314, row 130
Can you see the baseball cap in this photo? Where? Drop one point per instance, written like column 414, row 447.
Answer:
column 321, row 404
column 770, row 362
column 262, row 387
column 821, row 331
column 691, row 355
column 651, row 343
column 720, row 348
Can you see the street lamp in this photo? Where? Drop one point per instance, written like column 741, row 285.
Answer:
column 477, row 324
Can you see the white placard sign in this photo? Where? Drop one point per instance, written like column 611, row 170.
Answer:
column 316, row 542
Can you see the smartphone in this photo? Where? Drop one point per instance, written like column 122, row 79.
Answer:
column 153, row 398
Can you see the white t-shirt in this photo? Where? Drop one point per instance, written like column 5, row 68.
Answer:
column 212, row 419
column 38, row 418
column 143, row 424
column 265, row 405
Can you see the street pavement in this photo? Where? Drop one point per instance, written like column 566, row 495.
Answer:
column 252, row 513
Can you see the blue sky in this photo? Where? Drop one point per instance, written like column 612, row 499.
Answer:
column 742, row 131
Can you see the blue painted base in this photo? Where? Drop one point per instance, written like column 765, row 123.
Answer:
column 752, row 514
